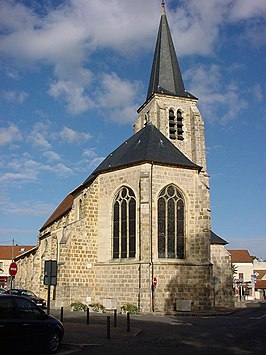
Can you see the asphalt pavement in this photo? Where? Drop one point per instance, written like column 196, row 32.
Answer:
column 96, row 331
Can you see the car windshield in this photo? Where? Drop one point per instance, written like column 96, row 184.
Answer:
column 27, row 293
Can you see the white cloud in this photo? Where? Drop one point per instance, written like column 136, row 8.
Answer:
column 26, row 208
column 119, row 97
column 14, row 96
column 39, row 134
column 246, row 9
column 19, row 177
column 10, row 134
column 90, row 160
column 74, row 95
column 62, row 170
column 65, row 37
column 50, row 155
column 220, row 101
column 72, row 136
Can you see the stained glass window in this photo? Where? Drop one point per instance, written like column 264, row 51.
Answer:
column 171, row 224
column 124, row 224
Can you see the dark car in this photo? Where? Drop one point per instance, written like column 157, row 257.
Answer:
column 25, row 327
column 31, row 295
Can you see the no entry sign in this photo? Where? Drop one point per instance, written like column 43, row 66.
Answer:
column 13, row 268
column 154, row 281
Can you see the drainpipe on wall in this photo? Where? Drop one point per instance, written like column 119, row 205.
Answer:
column 139, row 244
column 151, row 239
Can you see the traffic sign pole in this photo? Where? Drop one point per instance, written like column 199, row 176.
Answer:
column 13, row 268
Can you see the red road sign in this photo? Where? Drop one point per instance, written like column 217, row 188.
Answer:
column 154, row 281
column 13, row 268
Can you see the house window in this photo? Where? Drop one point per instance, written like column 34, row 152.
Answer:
column 124, row 224
column 171, row 224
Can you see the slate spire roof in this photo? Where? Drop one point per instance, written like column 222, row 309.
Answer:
column 166, row 76
column 147, row 145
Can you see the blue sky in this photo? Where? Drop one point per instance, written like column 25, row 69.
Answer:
column 73, row 74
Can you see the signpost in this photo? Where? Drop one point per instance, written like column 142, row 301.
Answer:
column 50, row 276
column 154, row 281
column 13, row 269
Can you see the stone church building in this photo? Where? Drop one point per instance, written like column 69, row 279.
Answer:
column 138, row 229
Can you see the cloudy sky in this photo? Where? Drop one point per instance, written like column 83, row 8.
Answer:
column 73, row 74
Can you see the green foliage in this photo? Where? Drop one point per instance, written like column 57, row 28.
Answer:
column 97, row 307
column 129, row 308
column 78, row 307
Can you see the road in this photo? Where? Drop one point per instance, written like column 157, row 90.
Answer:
column 241, row 332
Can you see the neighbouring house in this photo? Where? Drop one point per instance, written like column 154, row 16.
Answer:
column 242, row 263
column 138, row 229
column 259, row 272
column 7, row 254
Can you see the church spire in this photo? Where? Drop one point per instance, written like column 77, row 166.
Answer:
column 165, row 74
column 163, row 7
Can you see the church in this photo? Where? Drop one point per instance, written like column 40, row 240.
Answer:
column 138, row 229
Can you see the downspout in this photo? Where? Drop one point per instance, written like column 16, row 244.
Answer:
column 151, row 240
column 139, row 245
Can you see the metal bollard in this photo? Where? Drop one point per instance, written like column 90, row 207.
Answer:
column 88, row 315
column 62, row 314
column 108, row 327
column 115, row 318
column 128, row 322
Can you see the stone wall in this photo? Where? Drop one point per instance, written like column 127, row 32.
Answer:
column 221, row 260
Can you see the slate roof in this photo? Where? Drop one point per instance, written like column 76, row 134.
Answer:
column 166, row 76
column 240, row 256
column 215, row 239
column 64, row 207
column 147, row 145
column 6, row 251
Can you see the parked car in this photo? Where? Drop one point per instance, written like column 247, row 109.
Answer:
column 25, row 327
column 2, row 290
column 31, row 295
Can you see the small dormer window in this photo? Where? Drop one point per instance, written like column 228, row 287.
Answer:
column 172, row 124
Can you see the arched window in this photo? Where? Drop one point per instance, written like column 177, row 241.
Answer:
column 172, row 124
column 80, row 209
column 124, row 224
column 171, row 228
column 179, row 120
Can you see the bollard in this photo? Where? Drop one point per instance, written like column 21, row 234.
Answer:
column 115, row 318
column 128, row 322
column 62, row 314
column 108, row 327
column 88, row 315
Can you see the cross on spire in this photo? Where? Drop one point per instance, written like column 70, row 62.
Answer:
column 163, row 7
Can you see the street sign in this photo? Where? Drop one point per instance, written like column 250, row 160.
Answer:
column 50, row 272
column 154, row 281
column 13, row 268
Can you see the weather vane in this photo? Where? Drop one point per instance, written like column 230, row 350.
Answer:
column 163, row 7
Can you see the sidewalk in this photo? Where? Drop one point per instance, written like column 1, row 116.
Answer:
column 78, row 332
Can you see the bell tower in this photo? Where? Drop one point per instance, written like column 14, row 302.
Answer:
column 169, row 106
